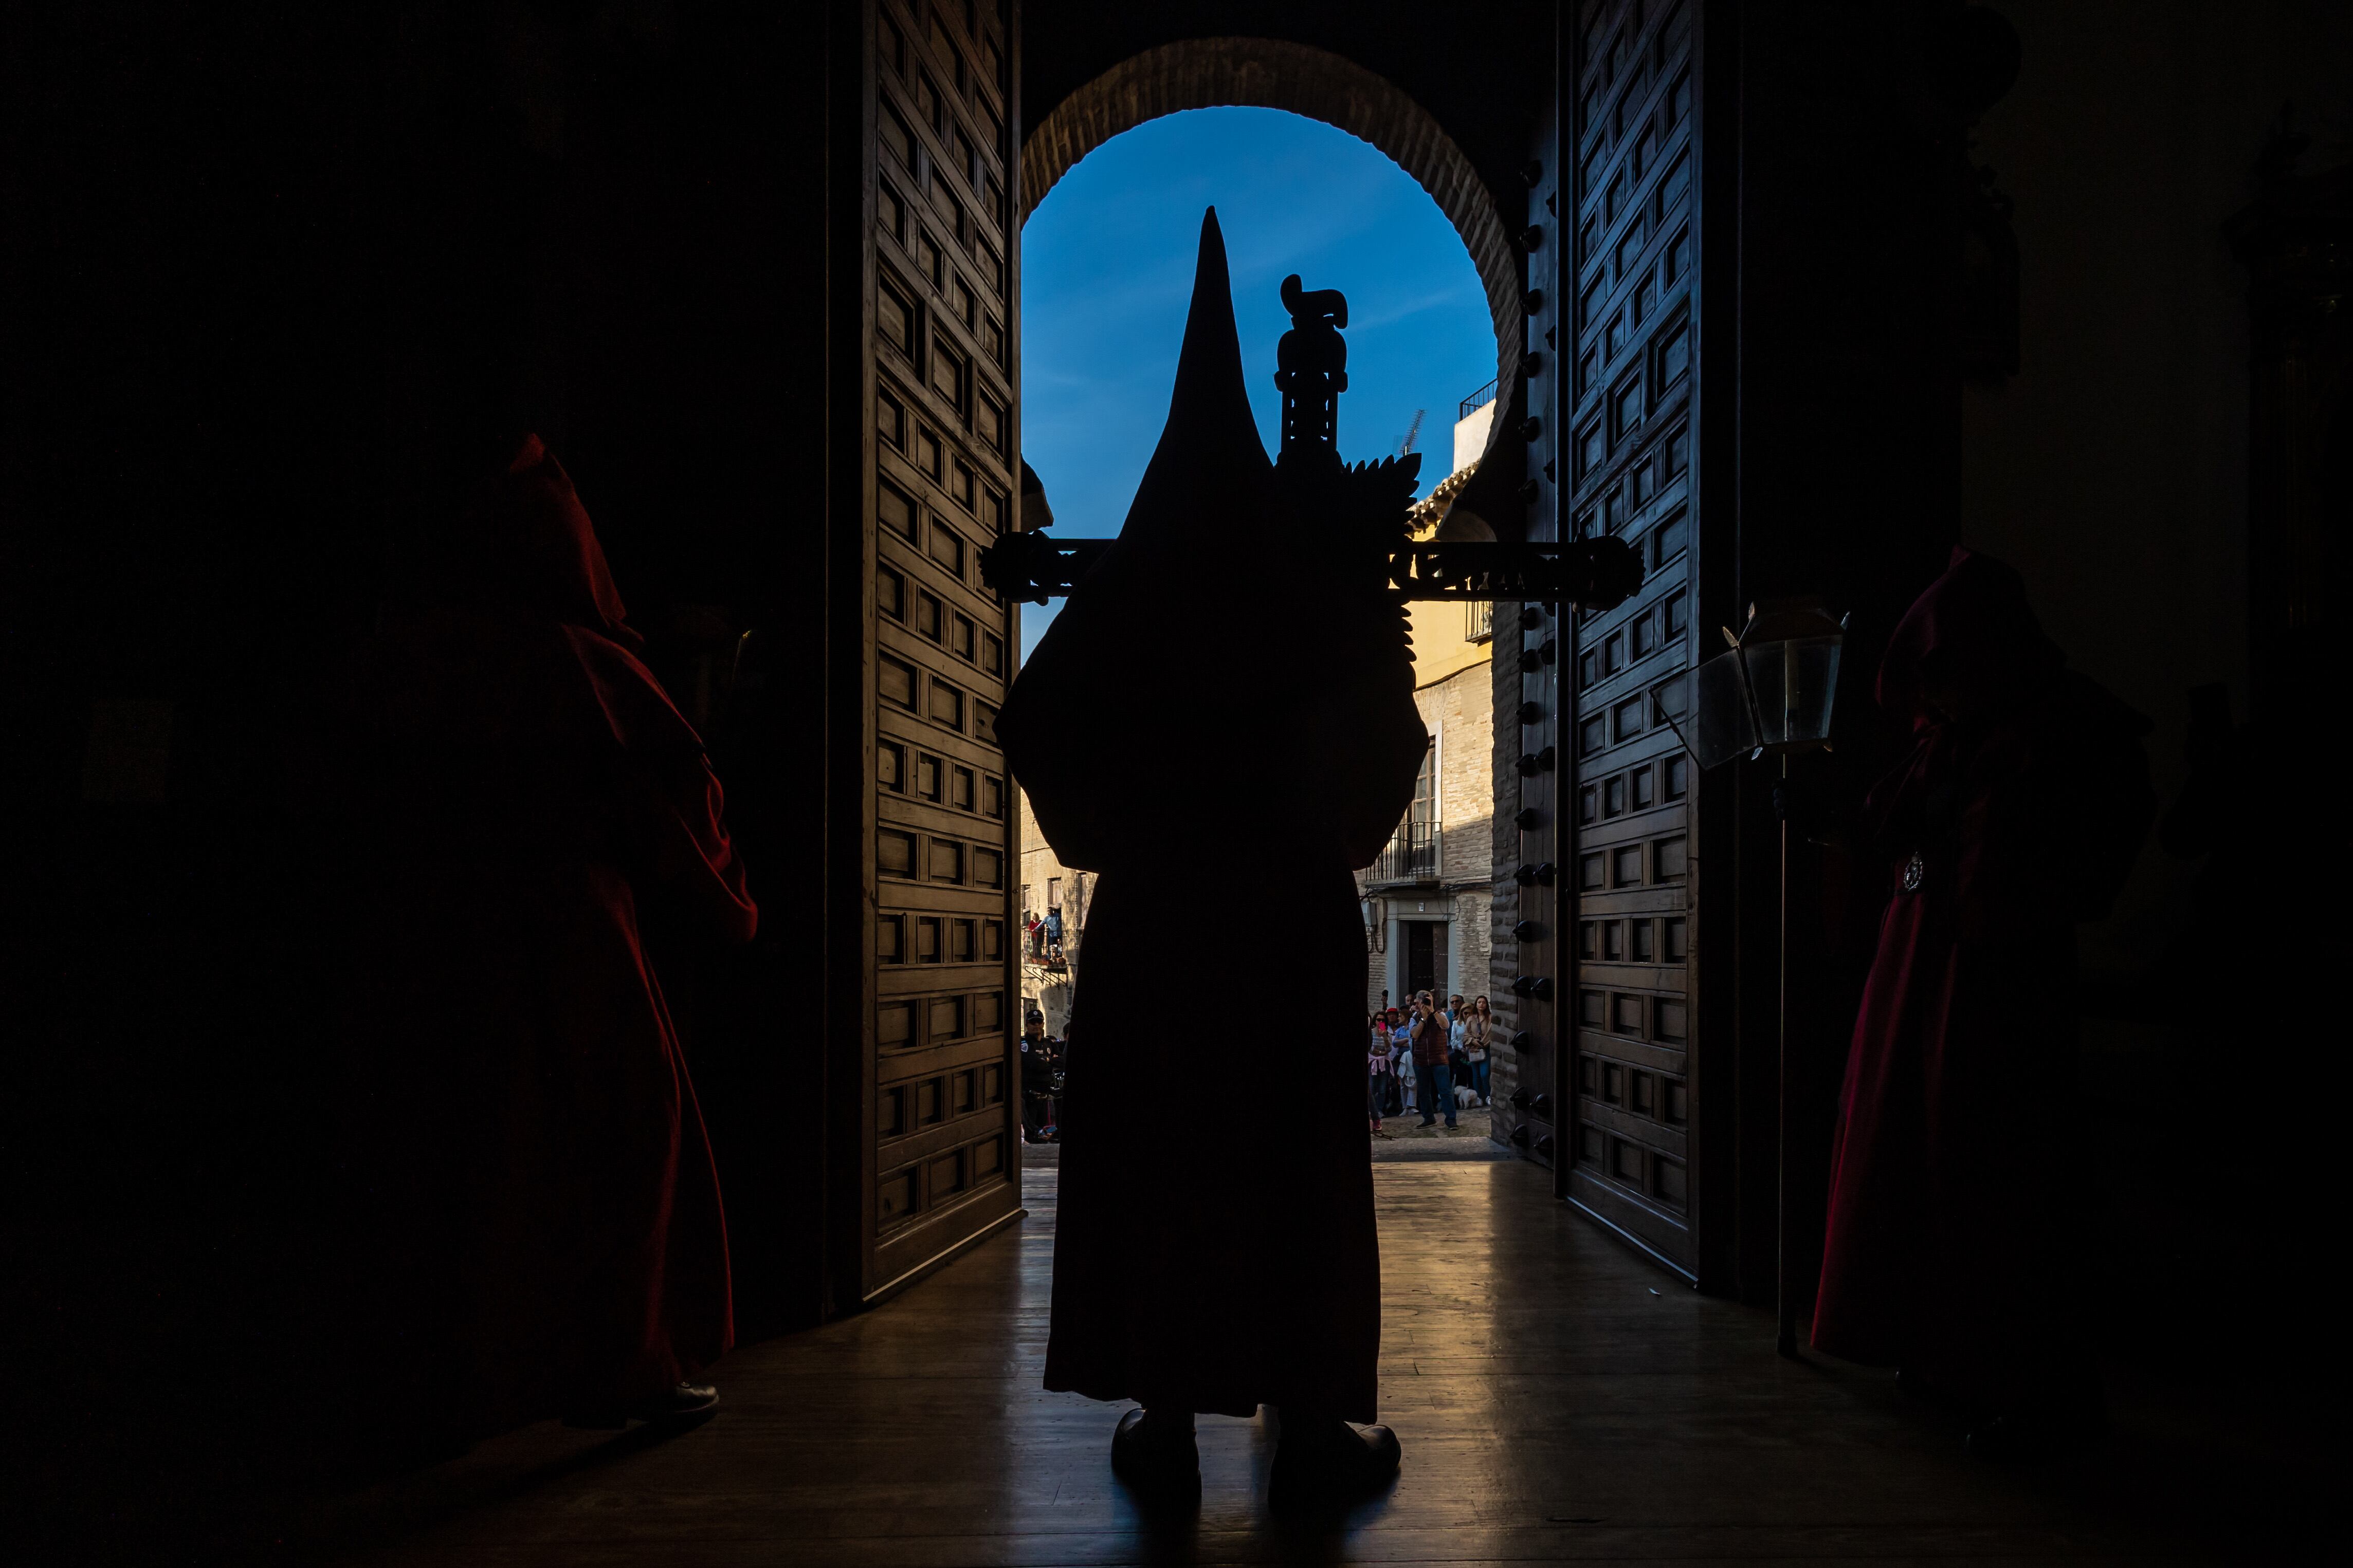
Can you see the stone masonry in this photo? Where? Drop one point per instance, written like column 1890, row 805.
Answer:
column 1459, row 711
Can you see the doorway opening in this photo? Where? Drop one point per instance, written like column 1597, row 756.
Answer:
column 1426, row 954
column 1107, row 274
column 946, row 410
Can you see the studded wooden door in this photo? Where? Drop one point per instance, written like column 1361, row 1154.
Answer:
column 1526, row 1071
column 939, row 1145
column 1627, row 869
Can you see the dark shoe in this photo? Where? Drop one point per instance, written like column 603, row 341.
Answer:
column 1323, row 1460
column 683, row 1402
column 1157, row 1459
column 1429, row 1122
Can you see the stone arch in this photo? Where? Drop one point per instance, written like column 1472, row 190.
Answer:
column 1269, row 73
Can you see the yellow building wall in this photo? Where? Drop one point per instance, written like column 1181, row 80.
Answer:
column 1439, row 647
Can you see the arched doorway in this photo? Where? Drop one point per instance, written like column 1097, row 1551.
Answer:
column 1107, row 270
column 923, row 972
column 1272, row 73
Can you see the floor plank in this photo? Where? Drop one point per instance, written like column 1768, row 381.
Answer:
column 1559, row 1399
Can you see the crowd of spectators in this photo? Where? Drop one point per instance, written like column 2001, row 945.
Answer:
column 1426, row 1059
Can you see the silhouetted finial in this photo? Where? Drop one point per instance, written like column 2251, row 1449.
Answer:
column 1312, row 371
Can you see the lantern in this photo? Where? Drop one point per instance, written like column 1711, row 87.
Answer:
column 1774, row 693
column 1775, row 690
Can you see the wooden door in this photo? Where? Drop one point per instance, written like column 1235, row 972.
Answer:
column 1428, row 961
column 1525, row 1067
column 936, row 974
column 1627, row 864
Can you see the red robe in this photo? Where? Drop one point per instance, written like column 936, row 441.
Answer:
column 1956, row 1245
column 547, row 1232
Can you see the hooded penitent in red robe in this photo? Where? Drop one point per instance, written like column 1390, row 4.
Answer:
column 1214, row 1265
column 543, row 1218
column 1956, row 1245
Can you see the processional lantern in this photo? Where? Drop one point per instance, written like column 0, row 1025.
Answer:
column 1772, row 692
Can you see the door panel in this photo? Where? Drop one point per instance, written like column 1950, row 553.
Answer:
column 1525, row 955
column 940, row 1148
column 1628, row 871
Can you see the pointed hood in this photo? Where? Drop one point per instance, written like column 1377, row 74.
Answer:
column 1107, row 723
column 1975, row 624
column 1209, row 465
column 1099, row 699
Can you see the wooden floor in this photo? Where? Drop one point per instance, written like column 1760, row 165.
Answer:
column 1559, row 1400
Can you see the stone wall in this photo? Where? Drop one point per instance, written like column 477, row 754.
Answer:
column 1459, row 709
column 1460, row 712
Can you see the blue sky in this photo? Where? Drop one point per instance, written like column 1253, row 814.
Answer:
column 1107, row 272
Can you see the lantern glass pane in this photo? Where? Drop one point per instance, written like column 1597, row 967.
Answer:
column 1719, row 728
column 1795, row 684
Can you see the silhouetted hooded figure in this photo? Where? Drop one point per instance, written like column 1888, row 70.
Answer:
column 1957, row 1246
column 540, row 1206
column 1213, row 1264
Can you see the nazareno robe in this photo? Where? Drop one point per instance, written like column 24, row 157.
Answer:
column 1215, row 1263
column 541, row 1215
column 1957, row 1243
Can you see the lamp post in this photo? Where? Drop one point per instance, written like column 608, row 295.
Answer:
column 1771, row 694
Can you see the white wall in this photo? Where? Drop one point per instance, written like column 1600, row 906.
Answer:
column 1471, row 436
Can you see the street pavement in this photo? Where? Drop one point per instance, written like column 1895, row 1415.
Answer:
column 1401, row 1138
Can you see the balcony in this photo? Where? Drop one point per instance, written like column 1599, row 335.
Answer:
column 1412, row 854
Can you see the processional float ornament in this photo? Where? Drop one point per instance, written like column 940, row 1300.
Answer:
column 1312, row 372
column 1311, row 480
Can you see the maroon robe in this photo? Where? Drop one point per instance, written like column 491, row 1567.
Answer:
column 545, row 1223
column 1956, row 1244
column 1217, row 1263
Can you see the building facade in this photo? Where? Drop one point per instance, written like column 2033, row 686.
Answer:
column 1428, row 900
column 1049, row 969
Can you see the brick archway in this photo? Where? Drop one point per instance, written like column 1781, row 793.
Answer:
column 1268, row 73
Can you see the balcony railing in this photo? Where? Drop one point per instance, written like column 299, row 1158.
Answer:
column 1412, row 854
column 1476, row 401
column 1479, row 620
